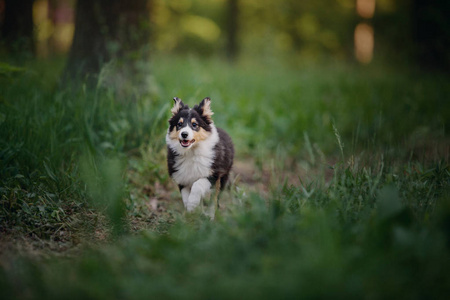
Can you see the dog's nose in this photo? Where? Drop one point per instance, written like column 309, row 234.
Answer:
column 184, row 134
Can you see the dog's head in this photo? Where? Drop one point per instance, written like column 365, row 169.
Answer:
column 190, row 126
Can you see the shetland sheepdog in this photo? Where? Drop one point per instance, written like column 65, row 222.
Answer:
column 199, row 155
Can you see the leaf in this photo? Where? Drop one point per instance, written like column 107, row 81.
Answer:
column 49, row 171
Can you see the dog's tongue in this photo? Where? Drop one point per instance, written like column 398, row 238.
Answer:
column 185, row 143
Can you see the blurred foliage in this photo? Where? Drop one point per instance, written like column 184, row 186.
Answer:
column 104, row 180
column 264, row 27
column 297, row 244
column 296, row 30
column 356, row 199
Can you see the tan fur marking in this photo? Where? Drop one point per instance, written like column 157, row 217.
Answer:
column 174, row 134
column 176, row 107
column 194, row 120
column 216, row 194
column 201, row 135
column 207, row 112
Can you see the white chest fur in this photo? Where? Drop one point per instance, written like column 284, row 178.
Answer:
column 195, row 163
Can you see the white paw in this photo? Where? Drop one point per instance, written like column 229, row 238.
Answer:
column 191, row 206
column 193, row 202
column 211, row 213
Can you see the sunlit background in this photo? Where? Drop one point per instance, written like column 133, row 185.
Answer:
column 349, row 30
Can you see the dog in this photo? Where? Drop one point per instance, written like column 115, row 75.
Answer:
column 199, row 155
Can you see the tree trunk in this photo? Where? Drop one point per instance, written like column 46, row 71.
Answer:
column 107, row 30
column 17, row 27
column 232, row 32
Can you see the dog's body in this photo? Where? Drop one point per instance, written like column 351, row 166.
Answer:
column 200, row 156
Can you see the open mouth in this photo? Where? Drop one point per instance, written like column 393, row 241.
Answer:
column 186, row 143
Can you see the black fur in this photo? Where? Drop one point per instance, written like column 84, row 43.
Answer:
column 200, row 110
column 187, row 115
column 171, row 160
column 223, row 162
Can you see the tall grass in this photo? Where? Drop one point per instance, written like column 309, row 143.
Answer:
column 369, row 219
column 46, row 130
column 356, row 238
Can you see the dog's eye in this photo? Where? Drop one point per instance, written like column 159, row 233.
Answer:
column 194, row 125
column 180, row 124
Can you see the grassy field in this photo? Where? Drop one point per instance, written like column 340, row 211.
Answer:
column 340, row 187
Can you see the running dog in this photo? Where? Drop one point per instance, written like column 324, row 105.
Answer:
column 199, row 155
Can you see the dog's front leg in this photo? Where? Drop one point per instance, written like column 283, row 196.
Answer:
column 185, row 195
column 199, row 189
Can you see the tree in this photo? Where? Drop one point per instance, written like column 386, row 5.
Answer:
column 17, row 27
column 431, row 33
column 107, row 30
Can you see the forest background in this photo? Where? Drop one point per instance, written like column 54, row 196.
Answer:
column 340, row 116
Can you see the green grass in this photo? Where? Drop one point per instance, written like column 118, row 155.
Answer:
column 354, row 239
column 355, row 162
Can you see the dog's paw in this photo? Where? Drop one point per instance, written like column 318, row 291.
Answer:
column 190, row 207
column 210, row 213
column 193, row 202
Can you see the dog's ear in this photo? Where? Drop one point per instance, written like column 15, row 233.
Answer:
column 177, row 106
column 204, row 108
